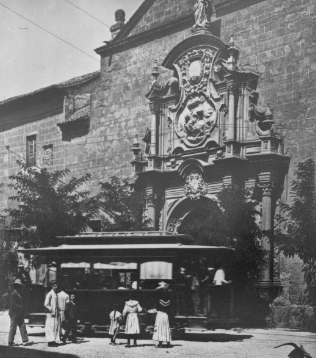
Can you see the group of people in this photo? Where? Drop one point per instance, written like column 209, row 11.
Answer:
column 61, row 311
column 61, row 318
column 196, row 288
column 61, row 315
column 162, row 332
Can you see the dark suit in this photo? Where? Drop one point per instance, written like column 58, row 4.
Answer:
column 71, row 317
column 16, row 313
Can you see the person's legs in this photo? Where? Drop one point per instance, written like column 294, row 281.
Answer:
column 114, row 335
column 23, row 331
column 66, row 335
column 135, row 341
column 13, row 325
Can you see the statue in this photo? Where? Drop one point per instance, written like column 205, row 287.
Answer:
column 120, row 15
column 203, row 10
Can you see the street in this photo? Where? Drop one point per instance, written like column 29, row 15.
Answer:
column 239, row 343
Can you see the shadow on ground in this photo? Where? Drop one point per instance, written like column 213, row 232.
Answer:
column 14, row 352
column 217, row 337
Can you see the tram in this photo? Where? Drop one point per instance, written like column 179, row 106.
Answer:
column 105, row 267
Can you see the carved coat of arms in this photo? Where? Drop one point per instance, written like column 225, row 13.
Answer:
column 195, row 186
column 197, row 113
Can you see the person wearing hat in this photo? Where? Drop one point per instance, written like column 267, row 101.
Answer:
column 23, row 275
column 16, row 313
column 162, row 331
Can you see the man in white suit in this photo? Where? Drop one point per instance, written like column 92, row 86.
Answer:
column 53, row 322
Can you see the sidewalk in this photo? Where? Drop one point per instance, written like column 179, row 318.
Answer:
column 217, row 344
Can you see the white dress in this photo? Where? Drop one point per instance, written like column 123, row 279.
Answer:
column 52, row 325
column 132, row 323
column 162, row 331
column 63, row 298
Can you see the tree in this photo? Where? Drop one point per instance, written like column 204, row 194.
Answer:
column 296, row 224
column 124, row 208
column 47, row 207
column 231, row 223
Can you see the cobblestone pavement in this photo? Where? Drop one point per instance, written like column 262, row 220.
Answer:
column 239, row 343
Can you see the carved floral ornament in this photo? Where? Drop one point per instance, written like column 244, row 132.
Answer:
column 195, row 186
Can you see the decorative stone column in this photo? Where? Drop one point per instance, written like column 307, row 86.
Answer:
column 230, row 132
column 267, row 192
column 155, row 110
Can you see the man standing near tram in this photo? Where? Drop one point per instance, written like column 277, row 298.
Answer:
column 53, row 322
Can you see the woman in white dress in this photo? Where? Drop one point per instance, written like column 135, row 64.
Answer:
column 132, row 328
column 162, row 331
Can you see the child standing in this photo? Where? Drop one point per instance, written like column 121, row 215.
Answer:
column 132, row 329
column 162, row 328
column 115, row 317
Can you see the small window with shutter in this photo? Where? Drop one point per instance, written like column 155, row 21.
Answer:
column 31, row 150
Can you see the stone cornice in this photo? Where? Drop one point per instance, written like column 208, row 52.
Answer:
column 133, row 41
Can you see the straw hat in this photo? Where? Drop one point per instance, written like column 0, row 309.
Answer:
column 17, row 282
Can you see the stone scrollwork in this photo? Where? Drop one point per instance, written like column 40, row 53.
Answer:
column 195, row 186
column 198, row 111
column 267, row 188
column 199, row 119
column 263, row 119
column 174, row 224
column 195, row 68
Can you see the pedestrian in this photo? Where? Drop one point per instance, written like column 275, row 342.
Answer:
column 63, row 299
column 219, row 278
column 195, row 287
column 132, row 328
column 52, row 325
column 71, row 320
column 23, row 275
column 162, row 331
column 205, row 282
column 220, row 294
column 16, row 314
column 115, row 317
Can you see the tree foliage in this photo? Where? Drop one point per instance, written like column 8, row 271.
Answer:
column 231, row 223
column 47, row 207
column 297, row 221
column 125, row 208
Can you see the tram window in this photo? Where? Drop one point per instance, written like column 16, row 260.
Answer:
column 74, row 275
column 116, row 275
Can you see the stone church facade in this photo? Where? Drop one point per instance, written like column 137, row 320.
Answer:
column 191, row 96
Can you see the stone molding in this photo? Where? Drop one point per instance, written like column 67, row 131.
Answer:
column 135, row 40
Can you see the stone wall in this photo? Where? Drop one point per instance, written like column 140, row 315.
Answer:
column 275, row 38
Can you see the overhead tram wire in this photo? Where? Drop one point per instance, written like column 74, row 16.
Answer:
column 42, row 28
column 87, row 13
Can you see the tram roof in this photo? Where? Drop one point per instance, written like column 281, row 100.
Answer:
column 128, row 237
column 125, row 249
column 136, row 243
